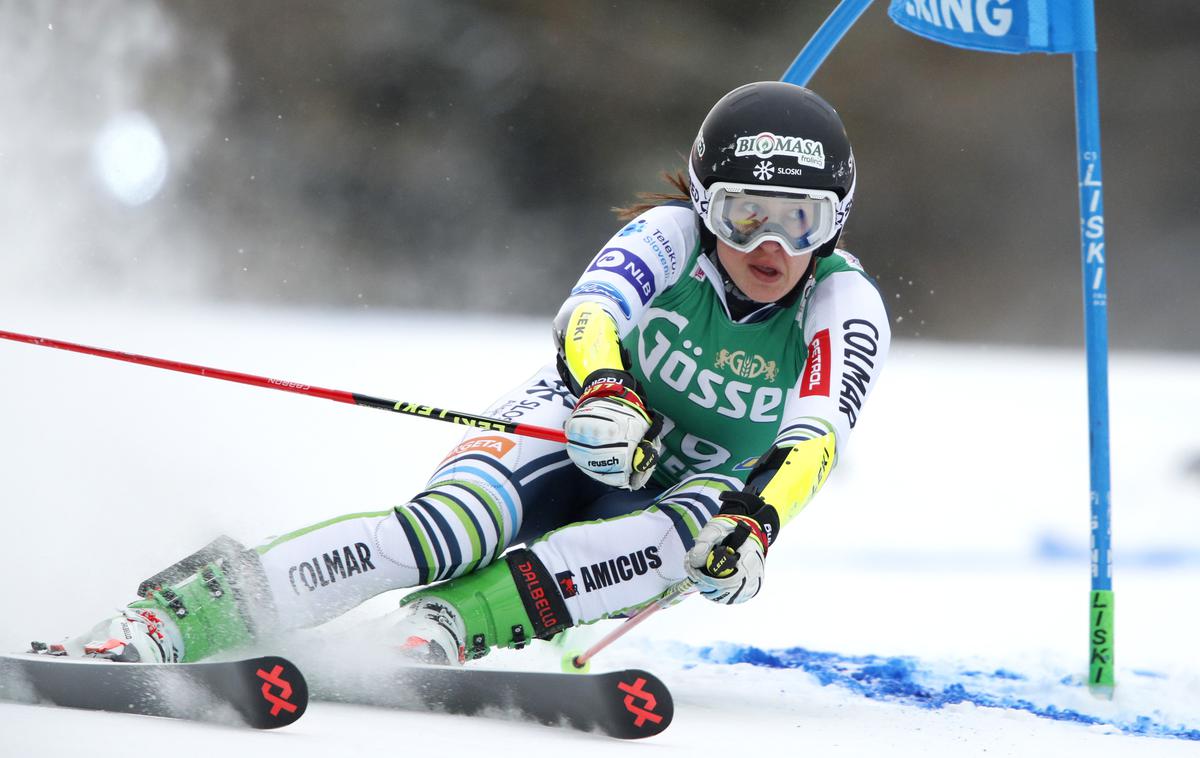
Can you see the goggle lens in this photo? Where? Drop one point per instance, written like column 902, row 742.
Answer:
column 744, row 218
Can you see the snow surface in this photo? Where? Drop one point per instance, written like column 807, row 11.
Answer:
column 933, row 600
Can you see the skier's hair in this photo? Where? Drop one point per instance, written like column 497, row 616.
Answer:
column 648, row 200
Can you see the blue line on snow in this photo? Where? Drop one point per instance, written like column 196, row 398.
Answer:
column 900, row 680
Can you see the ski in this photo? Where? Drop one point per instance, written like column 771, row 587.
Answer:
column 262, row 693
column 627, row 704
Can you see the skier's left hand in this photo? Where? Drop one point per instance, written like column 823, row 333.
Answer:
column 728, row 560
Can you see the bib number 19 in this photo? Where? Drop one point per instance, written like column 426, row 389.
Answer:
column 695, row 454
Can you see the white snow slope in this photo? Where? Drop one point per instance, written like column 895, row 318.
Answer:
column 933, row 600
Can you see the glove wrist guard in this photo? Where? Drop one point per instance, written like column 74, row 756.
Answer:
column 747, row 507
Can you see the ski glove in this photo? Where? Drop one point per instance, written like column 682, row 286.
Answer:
column 611, row 434
column 728, row 560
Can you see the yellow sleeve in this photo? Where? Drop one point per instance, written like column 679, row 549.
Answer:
column 591, row 342
column 800, row 476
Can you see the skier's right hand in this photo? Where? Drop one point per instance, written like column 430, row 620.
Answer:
column 611, row 434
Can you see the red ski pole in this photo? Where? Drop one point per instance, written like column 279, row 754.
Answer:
column 354, row 398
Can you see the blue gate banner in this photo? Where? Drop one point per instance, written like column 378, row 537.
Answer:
column 1001, row 26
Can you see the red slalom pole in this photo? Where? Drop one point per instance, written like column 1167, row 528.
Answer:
column 354, row 398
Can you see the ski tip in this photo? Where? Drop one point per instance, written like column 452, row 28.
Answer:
column 282, row 693
column 266, row 692
column 642, row 705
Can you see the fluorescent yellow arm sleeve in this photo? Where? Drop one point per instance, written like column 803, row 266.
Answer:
column 800, row 476
column 591, row 342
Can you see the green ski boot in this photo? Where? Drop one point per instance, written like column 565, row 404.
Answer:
column 505, row 604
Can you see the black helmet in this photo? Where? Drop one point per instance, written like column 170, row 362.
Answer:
column 774, row 137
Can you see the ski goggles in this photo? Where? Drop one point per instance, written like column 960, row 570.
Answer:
column 744, row 216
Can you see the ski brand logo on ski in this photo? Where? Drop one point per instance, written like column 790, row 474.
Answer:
column 342, row 562
column 265, row 692
column 275, row 679
column 807, row 152
column 629, row 705
column 619, row 569
column 642, row 713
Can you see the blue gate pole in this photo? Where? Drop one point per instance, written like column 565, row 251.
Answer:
column 1095, row 318
column 823, row 42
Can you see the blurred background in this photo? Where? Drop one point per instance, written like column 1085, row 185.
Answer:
column 464, row 156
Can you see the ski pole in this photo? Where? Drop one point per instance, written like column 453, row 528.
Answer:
column 354, row 398
column 670, row 597
column 722, row 562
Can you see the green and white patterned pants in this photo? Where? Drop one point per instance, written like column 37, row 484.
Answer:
column 608, row 549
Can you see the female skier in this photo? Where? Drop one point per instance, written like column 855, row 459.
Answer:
column 712, row 361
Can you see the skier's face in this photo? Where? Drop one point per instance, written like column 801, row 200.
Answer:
column 766, row 273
